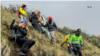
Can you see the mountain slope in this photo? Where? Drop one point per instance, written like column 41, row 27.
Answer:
column 43, row 47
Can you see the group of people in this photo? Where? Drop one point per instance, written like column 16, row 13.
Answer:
column 74, row 42
column 39, row 24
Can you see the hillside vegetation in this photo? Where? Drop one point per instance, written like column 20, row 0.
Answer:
column 43, row 46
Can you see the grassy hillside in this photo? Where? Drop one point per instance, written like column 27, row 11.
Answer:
column 43, row 47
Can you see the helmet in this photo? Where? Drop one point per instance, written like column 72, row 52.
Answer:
column 50, row 18
column 24, row 5
column 67, row 32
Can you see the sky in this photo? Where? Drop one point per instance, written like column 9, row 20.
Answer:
column 71, row 14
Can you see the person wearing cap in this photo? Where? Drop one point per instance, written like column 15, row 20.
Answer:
column 22, row 12
column 51, row 28
column 76, row 42
column 20, row 36
column 34, row 19
column 66, row 40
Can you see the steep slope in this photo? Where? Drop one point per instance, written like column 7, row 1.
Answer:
column 43, row 47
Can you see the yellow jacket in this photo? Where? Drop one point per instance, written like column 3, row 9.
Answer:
column 66, row 40
column 22, row 11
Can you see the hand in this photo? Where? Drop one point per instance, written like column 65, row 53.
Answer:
column 14, row 20
column 82, row 48
column 25, row 15
column 61, row 45
column 72, row 48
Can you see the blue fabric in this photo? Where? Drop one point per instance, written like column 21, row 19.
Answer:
column 24, row 21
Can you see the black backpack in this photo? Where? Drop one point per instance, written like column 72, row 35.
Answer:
column 15, row 35
column 30, row 18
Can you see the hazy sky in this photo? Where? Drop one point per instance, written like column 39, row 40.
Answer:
column 72, row 14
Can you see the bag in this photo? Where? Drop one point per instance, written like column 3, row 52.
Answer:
column 18, row 12
column 14, row 36
column 30, row 18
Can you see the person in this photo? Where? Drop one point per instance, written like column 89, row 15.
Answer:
column 66, row 40
column 51, row 28
column 42, row 29
column 34, row 19
column 20, row 36
column 76, row 42
column 41, row 18
column 21, row 12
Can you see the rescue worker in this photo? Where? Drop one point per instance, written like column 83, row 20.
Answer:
column 66, row 40
column 76, row 42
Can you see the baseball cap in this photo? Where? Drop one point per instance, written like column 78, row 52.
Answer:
column 78, row 30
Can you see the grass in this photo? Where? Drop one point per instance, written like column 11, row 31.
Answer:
column 43, row 47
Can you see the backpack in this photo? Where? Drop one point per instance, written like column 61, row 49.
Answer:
column 52, row 23
column 30, row 18
column 18, row 12
column 14, row 36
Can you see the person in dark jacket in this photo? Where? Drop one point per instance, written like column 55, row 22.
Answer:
column 34, row 19
column 21, row 40
column 51, row 28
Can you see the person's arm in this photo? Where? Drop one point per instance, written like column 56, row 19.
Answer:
column 55, row 26
column 45, row 24
column 65, row 39
column 81, row 42
column 12, row 25
column 44, row 20
column 23, row 31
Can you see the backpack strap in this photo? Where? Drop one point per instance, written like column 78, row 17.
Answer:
column 16, row 35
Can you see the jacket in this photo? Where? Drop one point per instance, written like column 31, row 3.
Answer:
column 21, row 31
column 51, row 25
column 22, row 11
column 34, row 17
column 76, row 41
column 66, row 40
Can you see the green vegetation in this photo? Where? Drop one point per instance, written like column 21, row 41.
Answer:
column 43, row 47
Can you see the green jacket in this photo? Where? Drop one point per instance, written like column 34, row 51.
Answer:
column 76, row 41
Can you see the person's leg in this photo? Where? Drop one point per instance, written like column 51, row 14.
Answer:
column 53, row 37
column 31, row 44
column 69, row 50
column 45, row 34
column 26, row 45
column 49, row 35
column 75, row 50
column 21, row 17
column 79, row 51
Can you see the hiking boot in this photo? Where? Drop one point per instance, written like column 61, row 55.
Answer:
column 21, row 53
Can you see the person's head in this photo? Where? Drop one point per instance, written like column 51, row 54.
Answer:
column 67, row 32
column 50, row 18
column 37, row 12
column 23, row 6
column 78, row 31
column 23, row 23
